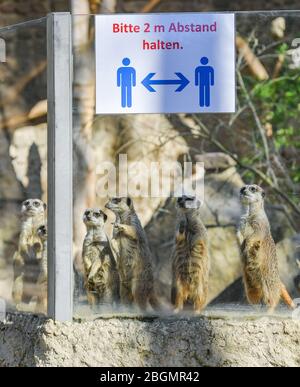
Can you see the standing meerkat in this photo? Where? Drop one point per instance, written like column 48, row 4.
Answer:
column 101, row 276
column 25, row 261
column 190, row 259
column 134, row 256
column 260, row 263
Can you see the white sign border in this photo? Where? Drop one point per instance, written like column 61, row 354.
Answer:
column 234, row 14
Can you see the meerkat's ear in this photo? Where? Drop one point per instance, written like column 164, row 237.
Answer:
column 45, row 206
column 263, row 194
column 129, row 202
column 105, row 217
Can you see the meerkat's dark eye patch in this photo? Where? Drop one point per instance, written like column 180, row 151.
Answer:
column 36, row 203
column 43, row 230
column 189, row 198
column 116, row 200
column 243, row 190
column 97, row 214
column 27, row 203
column 253, row 189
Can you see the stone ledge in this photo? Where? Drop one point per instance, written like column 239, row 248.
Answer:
column 208, row 342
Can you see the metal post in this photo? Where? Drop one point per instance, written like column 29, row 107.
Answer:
column 60, row 203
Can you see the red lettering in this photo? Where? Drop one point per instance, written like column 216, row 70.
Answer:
column 115, row 28
column 123, row 28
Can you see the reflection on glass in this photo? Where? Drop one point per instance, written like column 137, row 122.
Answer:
column 23, row 168
column 140, row 225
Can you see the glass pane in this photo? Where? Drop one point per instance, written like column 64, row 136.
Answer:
column 259, row 144
column 23, row 167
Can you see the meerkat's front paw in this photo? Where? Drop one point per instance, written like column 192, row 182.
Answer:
column 119, row 227
column 240, row 237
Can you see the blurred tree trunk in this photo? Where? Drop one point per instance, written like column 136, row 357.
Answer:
column 108, row 6
column 83, row 111
column 83, row 116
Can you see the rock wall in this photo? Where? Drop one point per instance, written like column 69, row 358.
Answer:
column 235, row 342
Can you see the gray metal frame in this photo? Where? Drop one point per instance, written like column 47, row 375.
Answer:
column 60, row 203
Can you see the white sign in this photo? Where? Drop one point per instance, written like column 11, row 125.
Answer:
column 165, row 63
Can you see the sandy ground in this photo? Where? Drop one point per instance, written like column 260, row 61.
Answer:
column 84, row 312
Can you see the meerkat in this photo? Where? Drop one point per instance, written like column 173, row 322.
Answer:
column 134, row 256
column 190, row 258
column 25, row 261
column 101, row 277
column 43, row 270
column 260, row 263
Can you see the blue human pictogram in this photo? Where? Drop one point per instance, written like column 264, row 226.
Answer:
column 204, row 79
column 126, row 81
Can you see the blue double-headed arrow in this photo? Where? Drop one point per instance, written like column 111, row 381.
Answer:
column 182, row 82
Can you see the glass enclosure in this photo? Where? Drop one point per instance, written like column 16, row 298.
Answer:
column 259, row 144
column 23, row 166
column 122, row 266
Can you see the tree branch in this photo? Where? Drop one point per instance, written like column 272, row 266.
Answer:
column 150, row 6
column 205, row 133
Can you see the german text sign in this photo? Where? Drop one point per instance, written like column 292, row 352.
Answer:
column 165, row 63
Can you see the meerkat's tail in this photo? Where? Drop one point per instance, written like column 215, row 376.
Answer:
column 287, row 298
